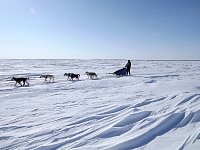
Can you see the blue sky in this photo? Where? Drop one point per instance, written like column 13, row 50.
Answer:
column 128, row 29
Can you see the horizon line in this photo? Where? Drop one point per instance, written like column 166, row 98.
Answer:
column 99, row 59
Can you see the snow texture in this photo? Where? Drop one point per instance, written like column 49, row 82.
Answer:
column 156, row 107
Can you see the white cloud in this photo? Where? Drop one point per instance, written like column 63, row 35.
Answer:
column 33, row 11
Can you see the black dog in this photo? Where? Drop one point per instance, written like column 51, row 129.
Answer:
column 19, row 80
column 68, row 75
column 71, row 76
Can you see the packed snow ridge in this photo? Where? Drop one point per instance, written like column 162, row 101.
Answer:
column 157, row 107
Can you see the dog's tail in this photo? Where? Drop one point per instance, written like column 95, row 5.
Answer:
column 28, row 78
column 78, row 75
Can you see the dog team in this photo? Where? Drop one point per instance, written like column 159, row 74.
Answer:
column 49, row 78
column 72, row 76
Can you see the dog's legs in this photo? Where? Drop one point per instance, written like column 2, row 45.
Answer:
column 20, row 83
column 15, row 84
column 45, row 79
column 27, row 83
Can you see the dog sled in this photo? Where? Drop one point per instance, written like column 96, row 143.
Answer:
column 120, row 72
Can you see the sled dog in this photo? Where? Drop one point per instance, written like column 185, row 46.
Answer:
column 68, row 75
column 71, row 76
column 91, row 75
column 51, row 77
column 19, row 80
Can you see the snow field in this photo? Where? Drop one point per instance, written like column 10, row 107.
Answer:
column 157, row 107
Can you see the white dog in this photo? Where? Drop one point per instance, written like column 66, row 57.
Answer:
column 47, row 76
column 91, row 75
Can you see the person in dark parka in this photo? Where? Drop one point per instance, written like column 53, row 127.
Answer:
column 128, row 67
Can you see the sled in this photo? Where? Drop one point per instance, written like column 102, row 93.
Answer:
column 120, row 72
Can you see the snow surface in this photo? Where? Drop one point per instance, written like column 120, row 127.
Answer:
column 157, row 107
